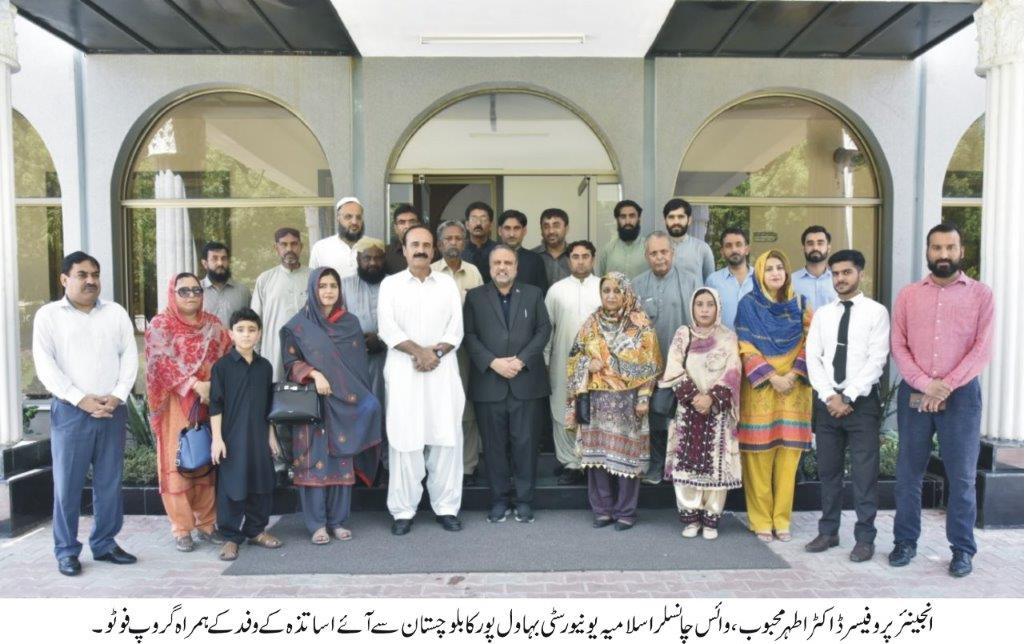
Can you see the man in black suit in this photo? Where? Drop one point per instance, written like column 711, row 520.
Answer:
column 531, row 269
column 506, row 327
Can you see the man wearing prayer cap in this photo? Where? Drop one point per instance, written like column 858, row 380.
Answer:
column 359, row 294
column 337, row 251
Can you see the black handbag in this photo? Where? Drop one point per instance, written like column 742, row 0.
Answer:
column 295, row 404
column 664, row 401
column 583, row 409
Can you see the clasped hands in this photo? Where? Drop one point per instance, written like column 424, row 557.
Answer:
column 837, row 408
column 99, row 406
column 935, row 394
column 783, row 384
column 642, row 407
column 507, row 368
column 424, row 358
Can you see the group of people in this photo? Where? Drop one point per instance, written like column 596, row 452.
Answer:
column 656, row 368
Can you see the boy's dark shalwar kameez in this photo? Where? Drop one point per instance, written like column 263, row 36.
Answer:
column 241, row 392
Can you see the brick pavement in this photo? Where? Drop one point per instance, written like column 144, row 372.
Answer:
column 29, row 570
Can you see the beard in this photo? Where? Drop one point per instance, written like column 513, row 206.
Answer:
column 814, row 256
column 943, row 268
column 736, row 259
column 351, row 236
column 219, row 276
column 678, row 231
column 370, row 276
column 451, row 252
column 628, row 234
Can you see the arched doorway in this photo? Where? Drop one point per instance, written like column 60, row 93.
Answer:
column 773, row 165
column 227, row 166
column 961, row 193
column 511, row 148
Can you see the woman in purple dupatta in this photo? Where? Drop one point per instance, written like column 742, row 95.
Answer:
column 323, row 343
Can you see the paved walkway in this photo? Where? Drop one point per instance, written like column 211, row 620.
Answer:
column 29, row 570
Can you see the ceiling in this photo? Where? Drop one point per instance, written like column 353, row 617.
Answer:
column 505, row 28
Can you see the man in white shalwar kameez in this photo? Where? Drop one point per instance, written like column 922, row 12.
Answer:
column 569, row 302
column 338, row 251
column 419, row 317
column 279, row 294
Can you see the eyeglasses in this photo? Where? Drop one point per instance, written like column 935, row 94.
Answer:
column 195, row 291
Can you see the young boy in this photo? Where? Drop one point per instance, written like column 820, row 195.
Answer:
column 243, row 442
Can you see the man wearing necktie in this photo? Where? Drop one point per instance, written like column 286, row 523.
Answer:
column 847, row 349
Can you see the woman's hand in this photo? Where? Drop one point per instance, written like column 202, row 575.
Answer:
column 202, row 389
column 642, row 408
column 322, row 386
column 218, row 450
column 781, row 384
column 275, row 448
column 595, row 365
column 702, row 403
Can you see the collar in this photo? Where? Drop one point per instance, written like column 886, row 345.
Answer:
column 856, row 299
column 409, row 277
column 206, row 282
column 804, row 273
column 66, row 303
column 960, row 279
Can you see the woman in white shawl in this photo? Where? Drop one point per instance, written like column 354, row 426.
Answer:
column 703, row 458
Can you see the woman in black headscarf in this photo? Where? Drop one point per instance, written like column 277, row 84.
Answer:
column 323, row 343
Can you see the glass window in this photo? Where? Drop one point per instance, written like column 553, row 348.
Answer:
column 40, row 238
column 228, row 167
column 774, row 165
column 501, row 133
column 961, row 193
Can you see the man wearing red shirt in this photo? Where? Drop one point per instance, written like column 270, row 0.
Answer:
column 941, row 341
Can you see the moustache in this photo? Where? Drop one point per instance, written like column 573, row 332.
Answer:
column 90, row 287
column 420, row 255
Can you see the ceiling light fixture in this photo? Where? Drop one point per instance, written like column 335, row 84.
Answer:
column 503, row 39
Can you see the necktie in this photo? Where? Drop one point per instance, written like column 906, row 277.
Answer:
column 839, row 360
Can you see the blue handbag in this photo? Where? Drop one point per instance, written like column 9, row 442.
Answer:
column 194, row 444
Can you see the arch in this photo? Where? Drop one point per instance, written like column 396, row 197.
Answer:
column 962, row 193
column 466, row 93
column 217, row 163
column 779, row 160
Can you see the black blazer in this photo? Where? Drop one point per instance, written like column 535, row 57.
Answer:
column 531, row 270
column 486, row 337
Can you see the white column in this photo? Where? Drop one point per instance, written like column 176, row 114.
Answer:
column 10, row 345
column 1000, row 25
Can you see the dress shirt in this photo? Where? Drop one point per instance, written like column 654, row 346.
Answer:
column 480, row 257
column 557, row 267
column 78, row 353
column 867, row 347
column 224, row 300
column 730, row 292
column 942, row 332
column 629, row 258
column 818, row 291
column 466, row 278
column 334, row 252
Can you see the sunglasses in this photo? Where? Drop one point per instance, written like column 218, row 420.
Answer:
column 195, row 291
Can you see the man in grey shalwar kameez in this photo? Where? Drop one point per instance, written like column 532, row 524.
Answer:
column 278, row 295
column 664, row 291
column 360, row 295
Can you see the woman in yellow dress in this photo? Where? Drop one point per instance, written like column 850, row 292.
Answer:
column 775, row 399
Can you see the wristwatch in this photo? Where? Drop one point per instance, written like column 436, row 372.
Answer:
column 439, row 353
column 846, row 399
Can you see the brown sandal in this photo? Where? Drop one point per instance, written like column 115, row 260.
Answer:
column 342, row 534
column 229, row 551
column 266, row 540
column 320, row 537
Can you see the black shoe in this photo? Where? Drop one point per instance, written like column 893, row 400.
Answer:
column 69, row 566
column 603, row 522
column 960, row 566
column 622, row 525
column 862, row 552
column 822, row 542
column 901, row 554
column 498, row 513
column 450, row 522
column 469, row 480
column 117, row 556
column 401, row 526
column 568, row 477
column 524, row 513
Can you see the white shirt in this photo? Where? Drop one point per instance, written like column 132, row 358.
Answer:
column 423, row 408
column 569, row 302
column 277, row 296
column 78, row 353
column 334, row 253
column 867, row 349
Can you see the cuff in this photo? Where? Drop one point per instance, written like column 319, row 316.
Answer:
column 452, row 339
column 73, row 395
column 686, row 391
column 758, row 371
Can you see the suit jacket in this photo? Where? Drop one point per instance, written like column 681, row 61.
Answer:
column 486, row 337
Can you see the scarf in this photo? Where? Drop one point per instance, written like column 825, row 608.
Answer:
column 774, row 328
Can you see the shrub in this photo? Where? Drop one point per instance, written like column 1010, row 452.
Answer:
column 140, row 466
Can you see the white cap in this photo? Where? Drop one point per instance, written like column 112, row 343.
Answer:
column 345, row 200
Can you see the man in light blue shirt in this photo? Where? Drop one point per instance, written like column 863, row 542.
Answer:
column 814, row 281
column 691, row 255
column 735, row 280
